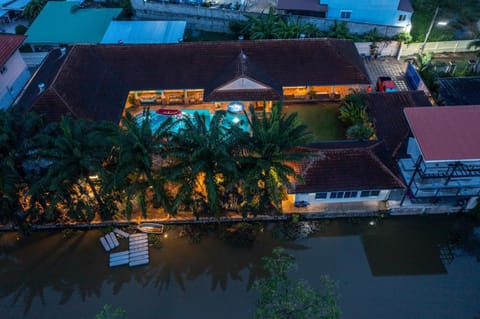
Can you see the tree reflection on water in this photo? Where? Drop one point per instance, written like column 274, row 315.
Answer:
column 78, row 264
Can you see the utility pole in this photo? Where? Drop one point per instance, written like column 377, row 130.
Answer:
column 429, row 30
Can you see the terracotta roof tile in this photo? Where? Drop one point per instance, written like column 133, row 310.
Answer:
column 459, row 91
column 9, row 43
column 95, row 79
column 386, row 110
column 343, row 169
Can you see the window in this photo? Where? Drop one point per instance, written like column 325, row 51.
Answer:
column 320, row 195
column 369, row 193
column 350, row 194
column 402, row 17
column 337, row 194
column 345, row 14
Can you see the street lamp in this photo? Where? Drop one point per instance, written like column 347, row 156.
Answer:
column 442, row 23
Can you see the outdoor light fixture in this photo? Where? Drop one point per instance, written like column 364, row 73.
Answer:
column 442, row 23
column 372, row 223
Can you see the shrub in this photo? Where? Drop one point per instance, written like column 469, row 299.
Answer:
column 20, row 29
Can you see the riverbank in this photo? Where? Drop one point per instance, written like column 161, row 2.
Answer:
column 185, row 218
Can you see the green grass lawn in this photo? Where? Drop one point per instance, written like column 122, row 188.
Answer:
column 321, row 119
column 460, row 15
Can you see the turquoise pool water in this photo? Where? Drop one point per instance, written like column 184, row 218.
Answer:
column 229, row 120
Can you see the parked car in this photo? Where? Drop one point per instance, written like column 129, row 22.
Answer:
column 301, row 203
column 386, row 84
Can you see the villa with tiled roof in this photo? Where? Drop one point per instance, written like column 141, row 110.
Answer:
column 96, row 81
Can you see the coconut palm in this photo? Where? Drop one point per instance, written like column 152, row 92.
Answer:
column 17, row 131
column 265, row 174
column 200, row 161
column 33, row 9
column 261, row 26
column 137, row 146
column 73, row 154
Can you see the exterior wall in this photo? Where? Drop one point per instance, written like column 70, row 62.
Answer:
column 217, row 20
column 439, row 179
column 310, row 197
column 12, row 79
column 369, row 11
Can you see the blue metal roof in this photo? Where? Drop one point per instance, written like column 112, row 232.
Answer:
column 144, row 32
column 17, row 5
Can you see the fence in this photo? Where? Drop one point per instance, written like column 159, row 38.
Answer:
column 395, row 48
column 217, row 20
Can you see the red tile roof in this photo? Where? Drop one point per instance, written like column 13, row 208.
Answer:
column 386, row 111
column 9, row 43
column 344, row 169
column 302, row 5
column 449, row 133
column 94, row 80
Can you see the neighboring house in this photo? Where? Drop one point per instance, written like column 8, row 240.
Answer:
column 13, row 70
column 346, row 171
column 61, row 23
column 459, row 91
column 386, row 112
column 95, row 81
column 396, row 13
column 144, row 32
column 443, row 163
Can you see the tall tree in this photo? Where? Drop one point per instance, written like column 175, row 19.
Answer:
column 17, row 132
column 33, row 9
column 284, row 298
column 200, row 160
column 73, row 155
column 137, row 146
column 264, row 169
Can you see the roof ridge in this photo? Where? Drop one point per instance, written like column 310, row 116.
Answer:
column 382, row 164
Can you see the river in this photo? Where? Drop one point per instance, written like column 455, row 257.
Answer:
column 410, row 267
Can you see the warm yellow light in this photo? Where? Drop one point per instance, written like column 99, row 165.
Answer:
column 93, row 177
column 165, row 235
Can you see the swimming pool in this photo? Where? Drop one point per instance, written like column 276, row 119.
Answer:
column 229, row 120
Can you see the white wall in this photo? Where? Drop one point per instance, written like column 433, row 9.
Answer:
column 12, row 80
column 370, row 11
column 310, row 197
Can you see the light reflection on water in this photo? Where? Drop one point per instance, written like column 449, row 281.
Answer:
column 391, row 270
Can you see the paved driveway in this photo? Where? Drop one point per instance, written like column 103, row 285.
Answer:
column 388, row 66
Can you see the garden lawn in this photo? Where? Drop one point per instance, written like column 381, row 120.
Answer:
column 321, row 119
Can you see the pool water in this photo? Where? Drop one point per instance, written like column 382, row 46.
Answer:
column 158, row 119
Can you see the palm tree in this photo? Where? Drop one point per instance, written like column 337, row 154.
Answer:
column 133, row 173
column 33, row 9
column 265, row 174
column 200, row 161
column 261, row 26
column 73, row 154
column 17, row 131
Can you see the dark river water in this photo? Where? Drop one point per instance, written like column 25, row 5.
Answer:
column 409, row 267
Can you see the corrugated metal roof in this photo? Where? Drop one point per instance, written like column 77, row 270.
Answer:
column 17, row 5
column 446, row 133
column 67, row 23
column 144, row 32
